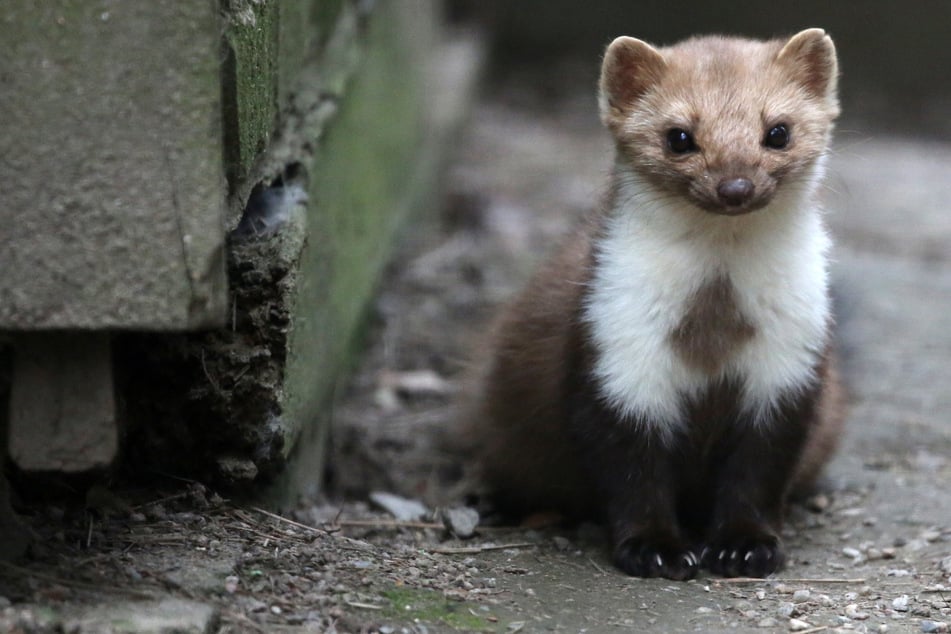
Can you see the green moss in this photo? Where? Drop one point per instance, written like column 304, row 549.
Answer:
column 249, row 83
column 431, row 608
column 365, row 177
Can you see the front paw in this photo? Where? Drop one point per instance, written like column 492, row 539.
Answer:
column 643, row 557
column 752, row 554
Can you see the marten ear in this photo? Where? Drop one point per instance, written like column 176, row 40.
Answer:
column 629, row 69
column 810, row 55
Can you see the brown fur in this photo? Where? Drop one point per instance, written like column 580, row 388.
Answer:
column 713, row 327
column 694, row 85
column 517, row 420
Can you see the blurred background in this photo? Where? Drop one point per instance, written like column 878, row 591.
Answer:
column 894, row 58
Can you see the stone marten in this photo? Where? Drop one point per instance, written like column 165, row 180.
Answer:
column 669, row 368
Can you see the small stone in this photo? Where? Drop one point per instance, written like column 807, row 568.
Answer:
column 787, row 610
column 818, row 503
column 874, row 553
column 767, row 622
column 900, row 604
column 231, row 584
column 854, row 553
column 797, row 625
column 898, row 572
column 705, row 610
column 401, row 508
column 931, row 535
column 760, row 595
column 561, row 543
column 852, row 611
column 461, row 522
column 801, row 596
column 235, row 470
column 933, row 626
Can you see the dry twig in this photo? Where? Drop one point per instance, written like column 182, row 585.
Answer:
column 475, row 550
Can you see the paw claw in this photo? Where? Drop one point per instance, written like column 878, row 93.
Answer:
column 745, row 555
column 647, row 558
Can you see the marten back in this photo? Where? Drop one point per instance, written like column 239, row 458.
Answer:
column 518, row 422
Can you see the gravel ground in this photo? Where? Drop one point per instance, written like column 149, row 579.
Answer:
column 870, row 553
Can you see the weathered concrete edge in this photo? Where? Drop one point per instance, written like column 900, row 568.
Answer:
column 453, row 79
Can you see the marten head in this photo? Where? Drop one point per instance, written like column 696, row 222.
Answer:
column 725, row 123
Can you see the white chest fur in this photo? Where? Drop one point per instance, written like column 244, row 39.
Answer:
column 655, row 255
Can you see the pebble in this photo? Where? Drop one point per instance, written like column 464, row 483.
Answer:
column 461, row 522
column 818, row 503
column 563, row 544
column 399, row 507
column 934, row 626
column 760, row 595
column 931, row 535
column 787, row 610
column 898, row 572
column 768, row 622
column 705, row 610
column 797, row 625
column 854, row 553
column 801, row 596
column 900, row 604
column 852, row 611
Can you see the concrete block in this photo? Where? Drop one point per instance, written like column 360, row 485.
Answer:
column 62, row 414
column 111, row 164
column 365, row 134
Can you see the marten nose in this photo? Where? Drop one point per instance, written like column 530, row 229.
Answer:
column 735, row 191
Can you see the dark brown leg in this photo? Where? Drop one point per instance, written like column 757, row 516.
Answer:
column 635, row 476
column 758, row 466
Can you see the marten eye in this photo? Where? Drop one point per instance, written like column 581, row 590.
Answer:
column 777, row 138
column 680, row 141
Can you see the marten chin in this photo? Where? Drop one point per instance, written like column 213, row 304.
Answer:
column 670, row 368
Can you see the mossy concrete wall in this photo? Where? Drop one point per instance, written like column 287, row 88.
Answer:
column 111, row 165
column 320, row 118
